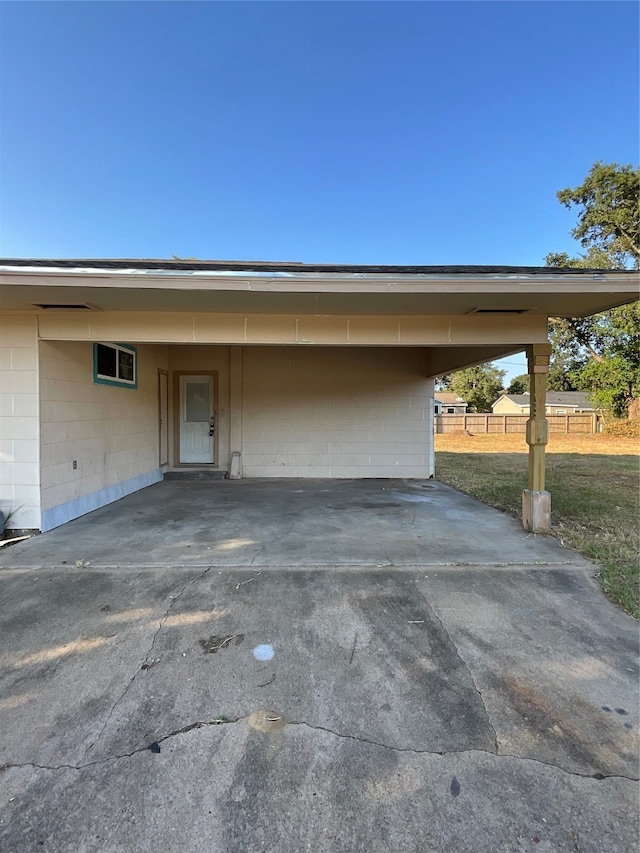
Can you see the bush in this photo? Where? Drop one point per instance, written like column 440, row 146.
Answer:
column 622, row 427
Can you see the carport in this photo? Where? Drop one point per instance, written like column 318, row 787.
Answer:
column 115, row 372
column 292, row 662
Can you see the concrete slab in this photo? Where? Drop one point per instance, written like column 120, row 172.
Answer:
column 291, row 523
column 326, row 666
column 403, row 709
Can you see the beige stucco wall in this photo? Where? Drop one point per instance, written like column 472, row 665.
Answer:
column 111, row 432
column 19, row 445
column 335, row 412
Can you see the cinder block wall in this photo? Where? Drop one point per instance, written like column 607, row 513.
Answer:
column 19, row 436
column 111, row 432
column 335, row 412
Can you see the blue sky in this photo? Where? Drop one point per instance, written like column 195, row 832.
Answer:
column 365, row 132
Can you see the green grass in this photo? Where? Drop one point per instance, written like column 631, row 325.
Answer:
column 595, row 506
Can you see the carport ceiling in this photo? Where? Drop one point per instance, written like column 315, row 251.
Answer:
column 261, row 287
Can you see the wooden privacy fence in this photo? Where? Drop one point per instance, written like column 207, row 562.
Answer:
column 505, row 424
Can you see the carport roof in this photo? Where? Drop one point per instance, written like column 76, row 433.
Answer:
column 222, row 266
column 311, row 289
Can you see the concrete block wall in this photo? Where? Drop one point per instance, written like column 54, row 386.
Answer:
column 19, row 432
column 111, row 432
column 335, row 412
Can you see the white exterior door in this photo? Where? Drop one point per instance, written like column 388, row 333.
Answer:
column 196, row 419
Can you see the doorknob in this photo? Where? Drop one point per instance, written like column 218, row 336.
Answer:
column 211, row 425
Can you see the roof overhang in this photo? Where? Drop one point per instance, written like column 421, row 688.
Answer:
column 264, row 287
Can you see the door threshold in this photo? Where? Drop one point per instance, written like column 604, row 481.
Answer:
column 193, row 466
column 196, row 474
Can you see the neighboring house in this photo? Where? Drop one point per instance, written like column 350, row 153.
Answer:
column 113, row 372
column 558, row 403
column 449, row 403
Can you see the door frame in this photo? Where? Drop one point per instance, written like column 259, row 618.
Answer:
column 177, row 374
column 163, row 415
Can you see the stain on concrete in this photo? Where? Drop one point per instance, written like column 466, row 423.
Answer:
column 574, row 730
column 267, row 721
column 423, row 661
column 214, row 643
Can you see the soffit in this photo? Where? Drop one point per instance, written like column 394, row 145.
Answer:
column 548, row 293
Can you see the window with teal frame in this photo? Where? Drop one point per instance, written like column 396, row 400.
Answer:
column 115, row 364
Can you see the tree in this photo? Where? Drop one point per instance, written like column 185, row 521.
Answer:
column 563, row 371
column 613, row 379
column 479, row 386
column 609, row 219
column 519, row 384
column 600, row 354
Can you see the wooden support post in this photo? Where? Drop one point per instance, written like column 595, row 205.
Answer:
column 536, row 502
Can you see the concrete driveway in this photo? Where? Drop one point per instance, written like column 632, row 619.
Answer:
column 216, row 687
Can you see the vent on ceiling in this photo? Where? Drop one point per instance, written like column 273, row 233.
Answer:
column 499, row 310
column 64, row 306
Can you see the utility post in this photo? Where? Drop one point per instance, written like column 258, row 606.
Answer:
column 536, row 502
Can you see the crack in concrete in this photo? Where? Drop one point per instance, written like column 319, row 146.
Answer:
column 221, row 721
column 411, row 750
column 582, row 565
column 370, row 742
column 260, row 551
column 471, row 678
column 415, row 751
column 199, row 724
column 162, row 620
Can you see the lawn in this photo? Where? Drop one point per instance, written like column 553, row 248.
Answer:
column 594, row 482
